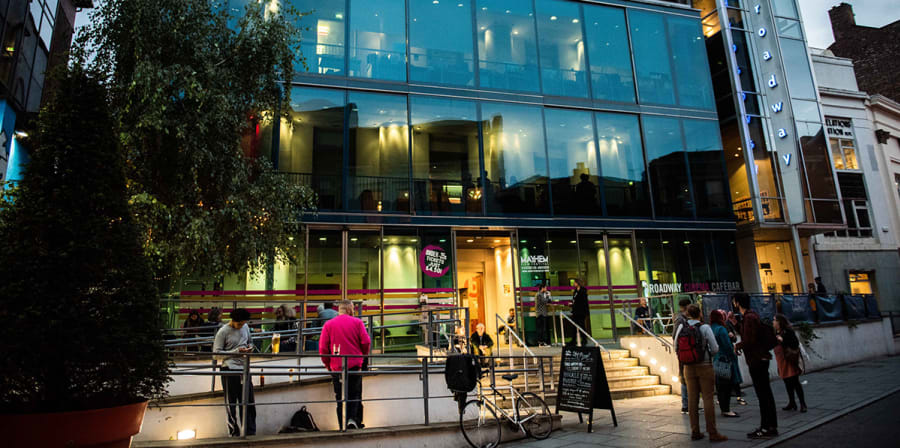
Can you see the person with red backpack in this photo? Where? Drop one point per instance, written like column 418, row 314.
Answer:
column 695, row 345
column 757, row 339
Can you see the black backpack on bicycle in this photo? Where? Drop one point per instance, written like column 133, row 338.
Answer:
column 462, row 373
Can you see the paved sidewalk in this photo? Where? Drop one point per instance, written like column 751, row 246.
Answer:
column 658, row 422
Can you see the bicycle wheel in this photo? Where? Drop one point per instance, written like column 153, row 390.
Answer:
column 480, row 425
column 534, row 415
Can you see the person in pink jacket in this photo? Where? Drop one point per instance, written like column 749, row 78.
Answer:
column 346, row 335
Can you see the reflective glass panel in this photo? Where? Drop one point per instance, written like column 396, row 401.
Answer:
column 507, row 50
column 704, row 151
column 444, row 57
column 789, row 28
column 323, row 270
column 668, row 168
column 797, row 69
column 651, row 57
column 785, row 8
column 622, row 162
column 611, row 74
column 311, row 143
column 573, row 162
column 514, row 159
column 377, row 39
column 364, row 268
column 321, row 36
column 689, row 60
column 805, row 110
column 816, row 161
column 379, row 160
column 562, row 48
column 446, row 164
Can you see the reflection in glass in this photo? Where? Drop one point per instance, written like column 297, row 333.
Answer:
column 573, row 162
column 446, row 163
column 562, row 48
column 507, row 49
column 622, row 162
column 364, row 268
column 797, row 71
column 668, row 168
column 321, row 36
column 311, row 143
column 817, row 167
column 704, row 153
column 805, row 110
column 785, row 8
column 689, row 62
column 377, row 39
column 611, row 75
column 323, row 278
column 444, row 57
column 789, row 28
column 379, row 161
column 514, row 159
column 651, row 57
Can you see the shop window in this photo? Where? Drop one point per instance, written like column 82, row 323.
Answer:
column 446, row 163
column 515, row 159
column 860, row 282
column 704, row 151
column 507, row 48
column 573, row 162
column 562, row 48
column 379, row 159
column 622, row 161
column 611, row 75
column 444, row 57
column 311, row 143
column 377, row 39
column 843, row 154
column 776, row 267
column 667, row 162
column 321, row 36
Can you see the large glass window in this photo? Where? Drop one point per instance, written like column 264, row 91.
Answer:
column 692, row 77
column 378, row 39
column 507, row 49
column 819, row 176
column 379, row 159
column 311, row 144
column 444, row 57
column 321, row 36
column 610, row 57
column 651, row 57
column 515, row 159
column 622, row 162
column 704, row 151
column 323, row 271
column 446, row 164
column 562, row 48
column 797, row 70
column 573, row 162
column 668, row 168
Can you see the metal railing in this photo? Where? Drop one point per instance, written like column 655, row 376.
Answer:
column 666, row 344
column 578, row 332
column 421, row 367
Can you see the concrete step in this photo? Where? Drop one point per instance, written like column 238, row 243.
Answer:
column 633, row 381
column 619, row 372
column 640, row 391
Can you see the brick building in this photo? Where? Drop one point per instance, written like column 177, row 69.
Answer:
column 874, row 51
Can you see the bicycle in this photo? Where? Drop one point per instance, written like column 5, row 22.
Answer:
column 479, row 422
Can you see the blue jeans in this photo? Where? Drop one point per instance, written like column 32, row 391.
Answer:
column 684, row 396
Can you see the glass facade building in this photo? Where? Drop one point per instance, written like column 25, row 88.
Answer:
column 472, row 150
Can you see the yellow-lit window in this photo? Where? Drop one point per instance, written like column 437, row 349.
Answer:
column 860, row 283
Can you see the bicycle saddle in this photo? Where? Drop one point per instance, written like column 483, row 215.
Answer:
column 510, row 376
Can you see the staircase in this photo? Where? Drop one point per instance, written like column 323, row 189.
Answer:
column 626, row 377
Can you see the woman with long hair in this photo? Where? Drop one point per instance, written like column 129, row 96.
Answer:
column 787, row 355
column 725, row 363
column 581, row 314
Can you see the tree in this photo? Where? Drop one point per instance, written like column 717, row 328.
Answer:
column 185, row 89
column 77, row 299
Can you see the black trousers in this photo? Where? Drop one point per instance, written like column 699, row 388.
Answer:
column 542, row 335
column 234, row 392
column 724, row 388
column 793, row 385
column 583, row 322
column 759, row 373
column 354, row 392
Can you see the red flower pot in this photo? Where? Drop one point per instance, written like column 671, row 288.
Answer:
column 100, row 428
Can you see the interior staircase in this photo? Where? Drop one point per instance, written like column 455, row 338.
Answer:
column 626, row 377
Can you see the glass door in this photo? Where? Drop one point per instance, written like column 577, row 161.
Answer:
column 606, row 263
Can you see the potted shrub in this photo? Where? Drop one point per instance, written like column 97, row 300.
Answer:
column 82, row 347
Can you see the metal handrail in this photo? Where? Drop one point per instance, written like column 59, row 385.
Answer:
column 580, row 332
column 516, row 335
column 668, row 345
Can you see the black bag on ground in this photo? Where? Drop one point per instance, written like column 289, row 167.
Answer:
column 462, row 372
column 302, row 421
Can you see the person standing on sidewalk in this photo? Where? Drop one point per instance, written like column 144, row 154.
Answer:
column 732, row 324
column 581, row 313
column 233, row 339
column 541, row 303
column 680, row 320
column 724, row 363
column 346, row 335
column 700, row 342
column 753, row 344
column 787, row 355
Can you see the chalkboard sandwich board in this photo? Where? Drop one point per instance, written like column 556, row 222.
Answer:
column 582, row 384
